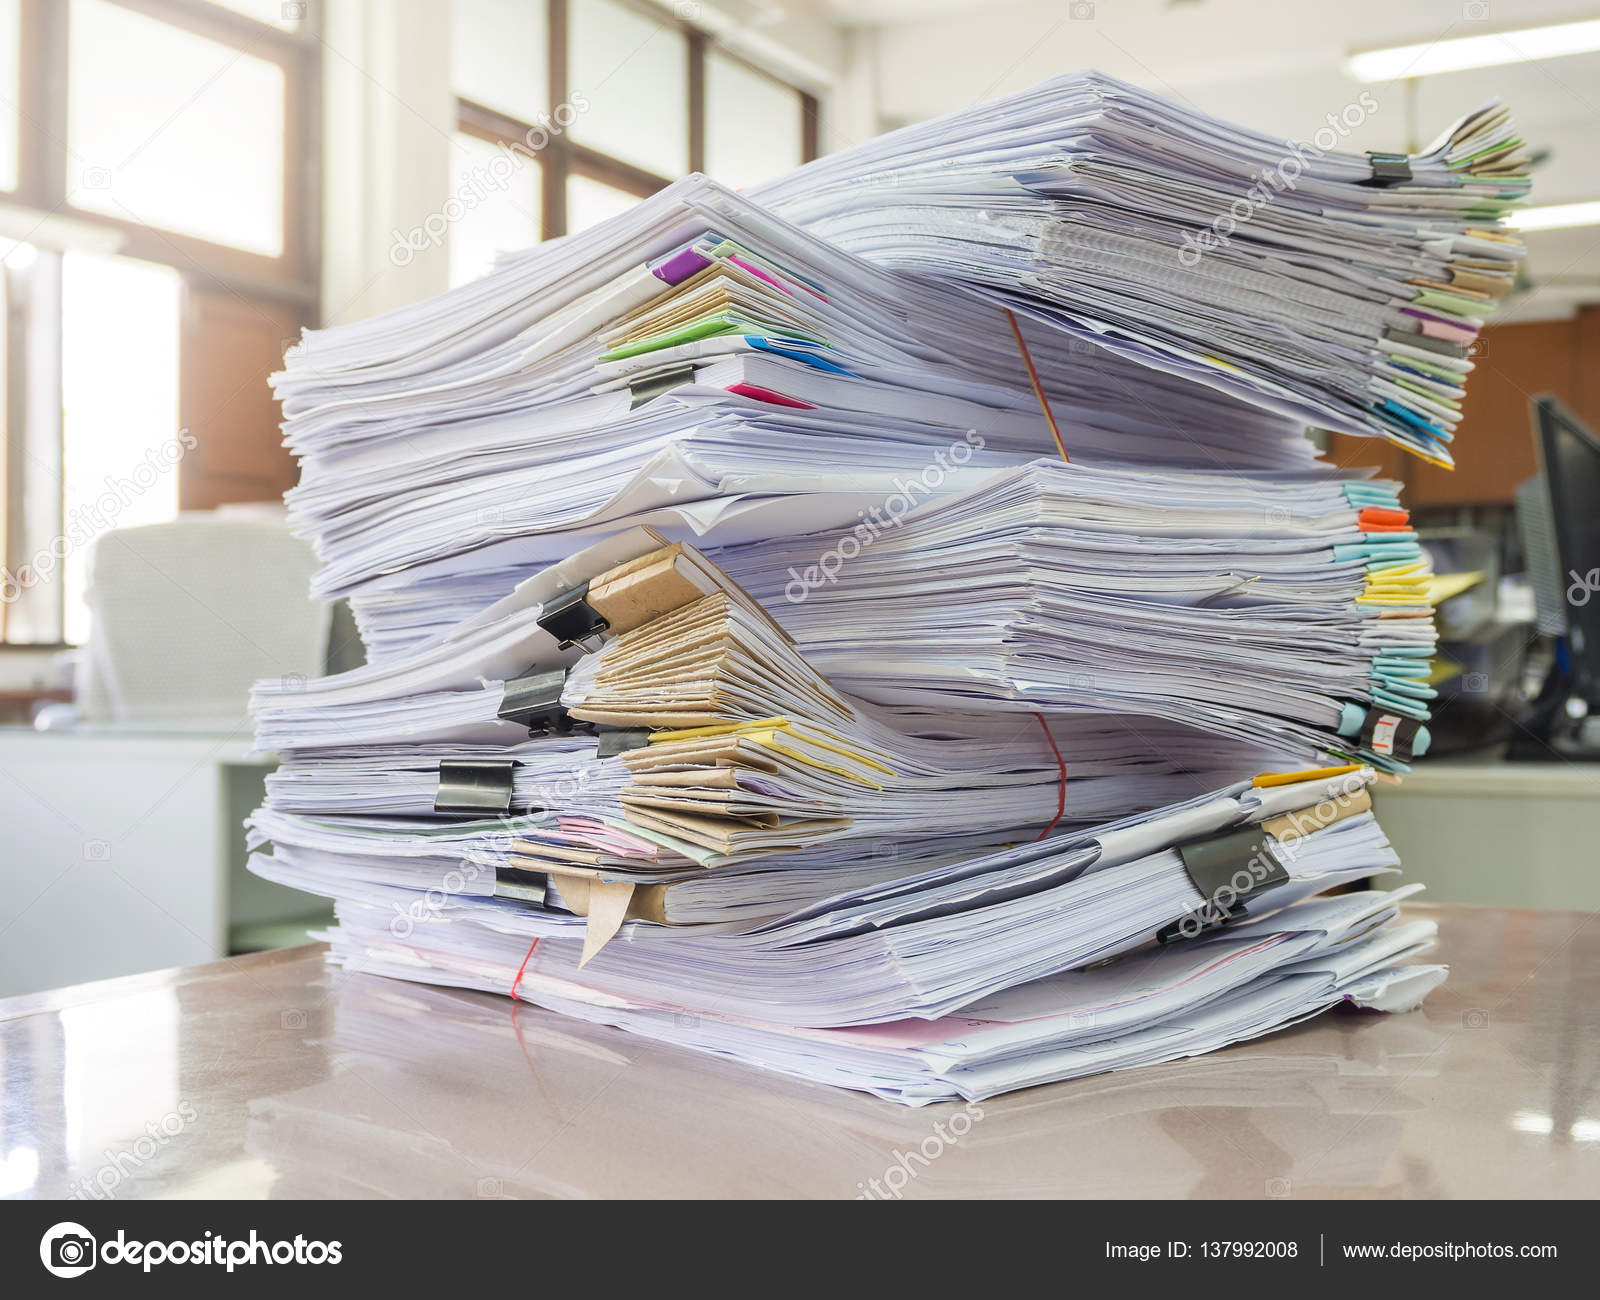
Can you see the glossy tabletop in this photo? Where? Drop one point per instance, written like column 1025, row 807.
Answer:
column 280, row 1076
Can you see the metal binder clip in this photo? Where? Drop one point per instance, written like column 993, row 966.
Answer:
column 653, row 385
column 1228, row 871
column 1388, row 169
column 478, row 787
column 535, row 702
column 525, row 886
column 571, row 619
column 1390, row 734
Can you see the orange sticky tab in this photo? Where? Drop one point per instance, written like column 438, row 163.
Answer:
column 1310, row 774
column 1383, row 528
column 1383, row 515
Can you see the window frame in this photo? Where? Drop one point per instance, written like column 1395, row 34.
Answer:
column 562, row 156
column 42, row 154
column 290, row 280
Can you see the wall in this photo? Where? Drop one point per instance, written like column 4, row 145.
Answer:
column 1494, row 446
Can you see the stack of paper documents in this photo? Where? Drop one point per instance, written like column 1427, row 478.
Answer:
column 1289, row 611
column 854, row 630
column 685, row 877
column 964, row 978
column 699, row 365
column 712, row 739
column 1342, row 288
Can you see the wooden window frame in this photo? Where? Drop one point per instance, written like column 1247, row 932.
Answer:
column 289, row 280
column 43, row 184
column 563, row 157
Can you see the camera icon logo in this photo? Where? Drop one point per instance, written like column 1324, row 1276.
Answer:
column 68, row 1250
column 96, row 178
column 293, row 1019
column 96, row 851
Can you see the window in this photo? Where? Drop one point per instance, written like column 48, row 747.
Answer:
column 10, row 80
column 156, row 116
column 158, row 159
column 601, row 103
column 753, row 124
column 119, row 418
column 499, row 192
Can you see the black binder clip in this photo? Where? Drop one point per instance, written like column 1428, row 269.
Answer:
column 1388, row 169
column 1228, row 871
column 571, row 619
column 619, row 740
column 1391, row 734
column 535, row 703
column 475, row 787
column 524, row 886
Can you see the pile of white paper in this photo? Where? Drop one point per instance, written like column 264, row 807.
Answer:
column 1341, row 288
column 780, row 646
column 699, row 365
column 709, row 860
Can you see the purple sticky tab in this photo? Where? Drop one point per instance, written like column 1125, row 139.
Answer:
column 680, row 266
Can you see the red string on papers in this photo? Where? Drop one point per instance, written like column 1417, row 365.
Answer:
column 522, row 968
column 1038, row 388
column 1061, row 788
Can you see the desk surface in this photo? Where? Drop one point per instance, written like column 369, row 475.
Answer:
column 280, row 1076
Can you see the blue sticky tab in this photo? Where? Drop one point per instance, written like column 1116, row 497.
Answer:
column 794, row 353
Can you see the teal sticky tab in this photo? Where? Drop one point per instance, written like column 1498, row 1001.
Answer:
column 1370, row 494
column 1410, row 689
column 1399, row 704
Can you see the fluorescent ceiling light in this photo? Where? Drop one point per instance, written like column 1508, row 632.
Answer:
column 1485, row 51
column 1555, row 216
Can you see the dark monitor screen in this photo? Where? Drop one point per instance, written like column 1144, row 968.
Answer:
column 1571, row 455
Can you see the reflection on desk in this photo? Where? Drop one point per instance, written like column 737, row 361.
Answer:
column 280, row 1076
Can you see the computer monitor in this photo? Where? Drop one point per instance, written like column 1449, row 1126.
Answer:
column 1570, row 455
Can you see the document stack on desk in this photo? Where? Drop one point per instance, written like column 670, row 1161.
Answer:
column 698, row 365
column 934, row 665
column 733, row 765
column 1343, row 289
column 712, row 743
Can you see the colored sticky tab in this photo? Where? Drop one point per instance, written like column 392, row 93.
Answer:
column 716, row 729
column 1267, row 779
column 762, row 394
column 1379, row 515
